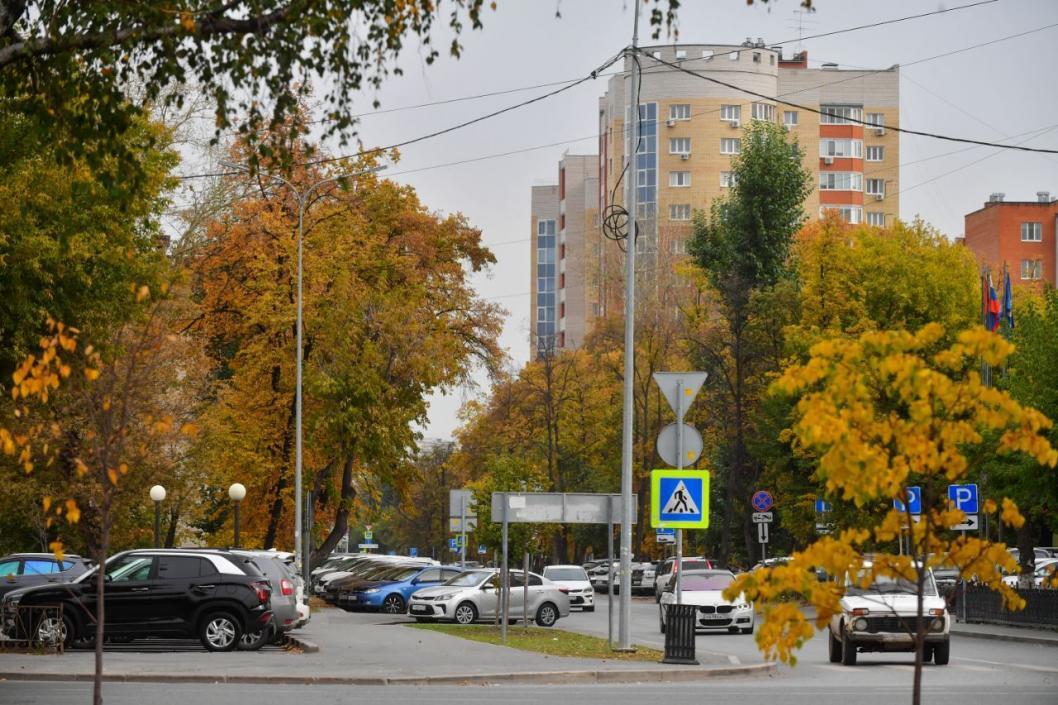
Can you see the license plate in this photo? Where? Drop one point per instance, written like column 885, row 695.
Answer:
column 350, row 598
column 713, row 617
column 418, row 608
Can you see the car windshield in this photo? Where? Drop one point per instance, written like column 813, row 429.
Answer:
column 714, row 581
column 468, row 579
column 405, row 574
column 565, row 574
column 892, row 586
column 691, row 564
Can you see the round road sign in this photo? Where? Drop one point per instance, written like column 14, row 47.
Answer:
column 762, row 500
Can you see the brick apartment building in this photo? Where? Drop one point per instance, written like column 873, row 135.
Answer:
column 1019, row 235
column 691, row 131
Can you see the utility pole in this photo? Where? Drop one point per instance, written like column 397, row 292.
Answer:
column 624, row 637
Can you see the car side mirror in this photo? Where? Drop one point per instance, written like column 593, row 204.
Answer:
column 415, row 581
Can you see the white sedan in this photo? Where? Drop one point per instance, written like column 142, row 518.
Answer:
column 575, row 579
column 1045, row 567
column 704, row 589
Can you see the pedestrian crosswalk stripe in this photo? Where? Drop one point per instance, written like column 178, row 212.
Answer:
column 681, row 502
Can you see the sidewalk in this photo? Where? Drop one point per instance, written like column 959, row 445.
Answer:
column 1000, row 632
column 360, row 649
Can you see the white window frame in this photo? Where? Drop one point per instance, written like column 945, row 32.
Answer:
column 728, row 179
column 845, row 148
column 871, row 187
column 731, row 113
column 733, row 56
column 853, row 217
column 875, row 119
column 1034, row 234
column 727, row 142
column 681, row 54
column 876, row 219
column 878, row 152
column 1033, row 272
column 679, row 179
column 680, row 111
column 707, row 54
column 786, row 115
column 765, row 109
column 840, row 181
column 680, row 211
column 840, row 115
column 679, row 141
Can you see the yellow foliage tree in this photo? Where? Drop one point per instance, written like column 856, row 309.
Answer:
column 880, row 413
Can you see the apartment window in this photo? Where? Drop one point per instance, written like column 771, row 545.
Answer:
column 727, row 179
column 875, row 187
column 841, row 148
column 730, row 145
column 789, row 118
column 875, row 119
column 680, row 111
column 850, row 214
column 707, row 54
column 875, row 154
column 657, row 54
column 545, row 282
column 679, row 179
column 678, row 247
column 841, row 181
column 1031, row 232
column 756, row 57
column 876, row 219
column 733, row 56
column 731, row 113
column 681, row 53
column 1032, row 269
column 680, row 145
column 764, row 111
column 680, row 211
column 840, row 115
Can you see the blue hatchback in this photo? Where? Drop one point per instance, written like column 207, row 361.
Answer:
column 391, row 595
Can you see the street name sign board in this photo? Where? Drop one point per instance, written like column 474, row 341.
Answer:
column 679, row 499
column 692, row 444
column 963, row 498
column 762, row 517
column 559, row 508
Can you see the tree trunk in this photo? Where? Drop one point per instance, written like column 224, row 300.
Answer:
column 174, row 519
column 341, row 517
column 276, row 512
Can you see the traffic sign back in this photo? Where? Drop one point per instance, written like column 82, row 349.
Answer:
column 668, row 382
column 679, row 499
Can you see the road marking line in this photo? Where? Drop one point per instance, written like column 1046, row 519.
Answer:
column 1027, row 667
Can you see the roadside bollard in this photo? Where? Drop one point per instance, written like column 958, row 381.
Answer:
column 679, row 634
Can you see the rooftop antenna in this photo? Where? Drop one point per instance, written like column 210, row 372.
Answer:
column 800, row 24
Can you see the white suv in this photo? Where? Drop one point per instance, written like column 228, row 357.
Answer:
column 664, row 573
column 883, row 617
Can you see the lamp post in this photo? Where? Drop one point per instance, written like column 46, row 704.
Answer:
column 303, row 199
column 237, row 493
column 158, row 495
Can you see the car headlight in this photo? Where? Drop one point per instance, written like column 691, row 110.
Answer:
column 860, row 624
column 370, row 590
column 446, row 596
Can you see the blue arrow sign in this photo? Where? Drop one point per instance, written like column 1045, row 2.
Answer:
column 963, row 497
column 823, row 506
column 413, row 552
column 915, row 495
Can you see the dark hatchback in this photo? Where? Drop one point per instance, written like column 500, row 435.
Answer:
column 21, row 570
column 215, row 596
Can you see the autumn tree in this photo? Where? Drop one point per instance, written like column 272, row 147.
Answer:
column 877, row 414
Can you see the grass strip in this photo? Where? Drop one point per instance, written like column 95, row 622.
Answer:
column 553, row 642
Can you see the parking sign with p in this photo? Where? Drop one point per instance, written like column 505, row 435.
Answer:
column 963, row 497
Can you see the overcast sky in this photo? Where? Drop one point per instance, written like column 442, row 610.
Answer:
column 1003, row 92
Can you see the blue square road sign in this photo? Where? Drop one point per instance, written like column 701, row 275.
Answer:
column 963, row 497
column 915, row 496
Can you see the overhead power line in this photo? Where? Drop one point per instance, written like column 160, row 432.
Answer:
column 817, row 111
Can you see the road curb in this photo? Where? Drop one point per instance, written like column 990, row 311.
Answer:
column 303, row 645
column 645, row 675
column 1006, row 637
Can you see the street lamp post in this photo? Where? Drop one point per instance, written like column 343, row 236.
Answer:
column 237, row 492
column 158, row 495
column 303, row 199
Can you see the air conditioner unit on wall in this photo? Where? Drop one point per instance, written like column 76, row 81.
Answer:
column 670, row 122
column 879, row 131
column 685, row 156
column 828, row 160
column 735, row 124
column 879, row 196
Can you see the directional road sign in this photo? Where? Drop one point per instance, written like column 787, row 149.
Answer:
column 823, row 506
column 963, row 497
column 413, row 552
column 762, row 517
column 668, row 382
column 762, row 500
column 679, row 499
column 368, row 545
column 762, row 532
column 971, row 524
column 692, row 444
column 666, row 536
column 915, row 496
column 824, row 527
column 482, row 549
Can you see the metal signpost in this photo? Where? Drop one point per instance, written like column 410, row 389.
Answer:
column 462, row 515
column 680, row 444
column 553, row 508
column 762, row 502
column 964, row 498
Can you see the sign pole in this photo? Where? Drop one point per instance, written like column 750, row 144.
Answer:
column 503, row 576
column 463, row 531
column 679, row 466
column 609, row 569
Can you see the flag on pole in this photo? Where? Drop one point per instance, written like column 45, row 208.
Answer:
column 992, row 310
column 1008, row 301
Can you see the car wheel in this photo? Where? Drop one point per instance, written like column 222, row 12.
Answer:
column 53, row 631
column 465, row 613
column 220, row 631
column 835, row 647
column 848, row 650
column 547, row 615
column 393, row 604
column 941, row 653
column 253, row 641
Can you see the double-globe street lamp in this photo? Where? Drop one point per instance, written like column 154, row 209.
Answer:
column 237, row 492
column 158, row 495
column 300, row 553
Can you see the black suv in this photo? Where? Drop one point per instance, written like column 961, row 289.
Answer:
column 21, row 570
column 216, row 596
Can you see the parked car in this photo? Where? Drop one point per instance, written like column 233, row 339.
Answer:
column 301, row 600
column 883, row 617
column 704, row 589
column 1041, row 553
column 283, row 600
column 599, row 576
column 474, row 595
column 364, row 574
column 216, row 596
column 21, row 570
column 1045, row 567
column 643, row 576
column 575, row 579
column 390, row 593
column 665, row 573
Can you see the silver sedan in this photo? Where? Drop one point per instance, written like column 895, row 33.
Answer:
column 474, row 595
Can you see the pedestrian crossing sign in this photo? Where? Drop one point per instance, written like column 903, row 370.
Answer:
column 679, row 499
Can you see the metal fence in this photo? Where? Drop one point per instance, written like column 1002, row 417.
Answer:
column 984, row 605
column 33, row 628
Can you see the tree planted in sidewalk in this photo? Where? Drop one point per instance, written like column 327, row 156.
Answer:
column 878, row 414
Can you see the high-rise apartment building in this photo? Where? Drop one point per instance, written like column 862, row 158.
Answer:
column 1017, row 235
column 690, row 133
